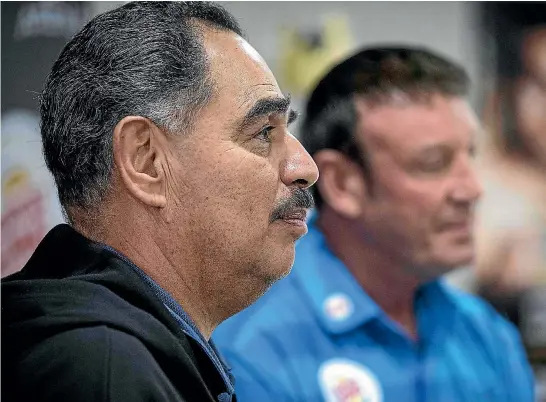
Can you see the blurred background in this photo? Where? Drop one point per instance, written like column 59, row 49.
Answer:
column 502, row 46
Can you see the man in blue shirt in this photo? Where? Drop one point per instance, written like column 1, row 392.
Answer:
column 364, row 315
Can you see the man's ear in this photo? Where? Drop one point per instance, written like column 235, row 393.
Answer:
column 341, row 183
column 140, row 160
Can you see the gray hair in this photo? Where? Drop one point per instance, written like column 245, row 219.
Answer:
column 145, row 59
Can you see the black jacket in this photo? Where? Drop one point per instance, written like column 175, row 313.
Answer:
column 79, row 324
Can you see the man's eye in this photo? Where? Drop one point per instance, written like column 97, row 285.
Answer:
column 265, row 134
column 433, row 165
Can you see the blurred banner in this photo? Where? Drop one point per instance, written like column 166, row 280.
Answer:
column 29, row 202
column 33, row 35
column 512, row 230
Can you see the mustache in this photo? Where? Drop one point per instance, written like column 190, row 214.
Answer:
column 300, row 198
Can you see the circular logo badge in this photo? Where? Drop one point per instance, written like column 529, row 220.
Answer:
column 338, row 307
column 347, row 381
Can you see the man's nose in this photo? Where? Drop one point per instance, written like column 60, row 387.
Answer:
column 468, row 188
column 299, row 168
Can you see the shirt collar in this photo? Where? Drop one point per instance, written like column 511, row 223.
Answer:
column 183, row 319
column 437, row 309
column 338, row 300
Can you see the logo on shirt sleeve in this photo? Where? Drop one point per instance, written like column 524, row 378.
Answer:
column 346, row 381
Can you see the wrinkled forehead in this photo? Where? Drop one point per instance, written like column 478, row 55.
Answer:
column 240, row 74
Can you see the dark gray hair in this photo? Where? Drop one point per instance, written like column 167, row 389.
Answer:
column 145, row 59
column 376, row 73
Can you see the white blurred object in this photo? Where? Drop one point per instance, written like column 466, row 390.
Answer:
column 29, row 199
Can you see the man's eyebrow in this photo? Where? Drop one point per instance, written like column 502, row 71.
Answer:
column 292, row 116
column 434, row 147
column 444, row 147
column 265, row 107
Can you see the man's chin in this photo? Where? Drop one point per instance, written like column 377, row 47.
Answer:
column 465, row 257
column 280, row 264
column 454, row 260
column 441, row 263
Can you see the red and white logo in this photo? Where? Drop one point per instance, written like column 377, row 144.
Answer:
column 343, row 380
column 338, row 307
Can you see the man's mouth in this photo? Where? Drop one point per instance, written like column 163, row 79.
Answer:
column 297, row 217
column 295, row 221
column 295, row 207
column 461, row 227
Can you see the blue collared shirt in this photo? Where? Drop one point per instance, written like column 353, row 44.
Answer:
column 316, row 335
column 187, row 325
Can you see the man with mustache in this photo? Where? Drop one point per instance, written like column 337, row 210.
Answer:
column 364, row 315
column 167, row 136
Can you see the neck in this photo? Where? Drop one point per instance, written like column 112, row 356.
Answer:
column 381, row 277
column 137, row 236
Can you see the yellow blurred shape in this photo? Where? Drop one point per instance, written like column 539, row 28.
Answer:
column 303, row 63
column 15, row 178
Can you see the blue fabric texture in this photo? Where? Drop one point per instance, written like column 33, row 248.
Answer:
column 316, row 335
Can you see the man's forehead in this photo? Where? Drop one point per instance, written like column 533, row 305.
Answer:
column 417, row 124
column 235, row 62
column 249, row 50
